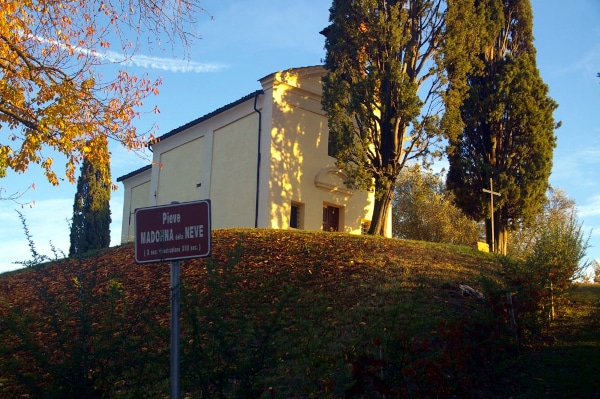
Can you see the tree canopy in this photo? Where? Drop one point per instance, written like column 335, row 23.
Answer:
column 90, row 226
column 423, row 210
column 557, row 210
column 56, row 98
column 381, row 88
column 554, row 244
column 507, row 126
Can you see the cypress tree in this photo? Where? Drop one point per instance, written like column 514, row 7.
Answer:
column 508, row 126
column 381, row 89
column 90, row 226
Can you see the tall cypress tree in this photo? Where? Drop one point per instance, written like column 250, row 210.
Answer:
column 90, row 228
column 381, row 89
column 508, row 126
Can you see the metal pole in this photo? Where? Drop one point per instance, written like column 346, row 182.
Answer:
column 492, row 215
column 175, row 302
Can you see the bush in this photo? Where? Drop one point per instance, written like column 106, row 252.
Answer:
column 557, row 258
column 424, row 210
column 74, row 335
column 547, row 272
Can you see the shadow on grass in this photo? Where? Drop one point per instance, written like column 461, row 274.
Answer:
column 566, row 362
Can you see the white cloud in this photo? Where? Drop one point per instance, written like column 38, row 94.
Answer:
column 591, row 208
column 576, row 168
column 585, row 64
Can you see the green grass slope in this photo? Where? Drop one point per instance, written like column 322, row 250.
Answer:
column 565, row 361
column 277, row 314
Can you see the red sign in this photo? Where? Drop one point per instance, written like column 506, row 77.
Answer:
column 173, row 232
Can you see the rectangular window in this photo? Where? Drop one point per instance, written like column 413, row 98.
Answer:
column 296, row 216
column 331, row 145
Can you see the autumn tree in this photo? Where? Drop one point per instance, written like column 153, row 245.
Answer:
column 558, row 257
column 381, row 91
column 16, row 196
column 58, row 97
column 553, row 247
column 423, row 210
column 556, row 209
column 556, row 230
column 90, row 226
column 507, row 125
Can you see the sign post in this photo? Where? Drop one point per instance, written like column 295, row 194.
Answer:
column 175, row 344
column 173, row 232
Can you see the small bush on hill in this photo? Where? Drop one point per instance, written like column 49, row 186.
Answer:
column 542, row 279
column 70, row 330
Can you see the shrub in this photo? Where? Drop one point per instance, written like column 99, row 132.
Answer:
column 547, row 272
column 72, row 333
column 557, row 259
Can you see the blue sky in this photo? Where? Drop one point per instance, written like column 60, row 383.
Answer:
column 246, row 41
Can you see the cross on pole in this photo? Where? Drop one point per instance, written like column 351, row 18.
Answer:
column 492, row 193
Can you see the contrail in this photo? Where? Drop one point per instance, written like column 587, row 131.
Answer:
column 165, row 64
column 144, row 61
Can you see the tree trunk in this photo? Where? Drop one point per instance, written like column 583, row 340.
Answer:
column 488, row 235
column 500, row 244
column 502, row 241
column 381, row 208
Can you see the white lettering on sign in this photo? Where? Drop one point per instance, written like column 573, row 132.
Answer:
column 149, row 237
column 196, row 231
column 168, row 218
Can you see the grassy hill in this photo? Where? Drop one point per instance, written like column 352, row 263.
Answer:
column 274, row 314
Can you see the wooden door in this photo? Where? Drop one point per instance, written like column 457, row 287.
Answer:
column 331, row 218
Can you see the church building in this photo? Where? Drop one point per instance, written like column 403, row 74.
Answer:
column 264, row 161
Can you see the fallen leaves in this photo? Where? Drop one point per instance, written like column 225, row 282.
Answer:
column 258, row 285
